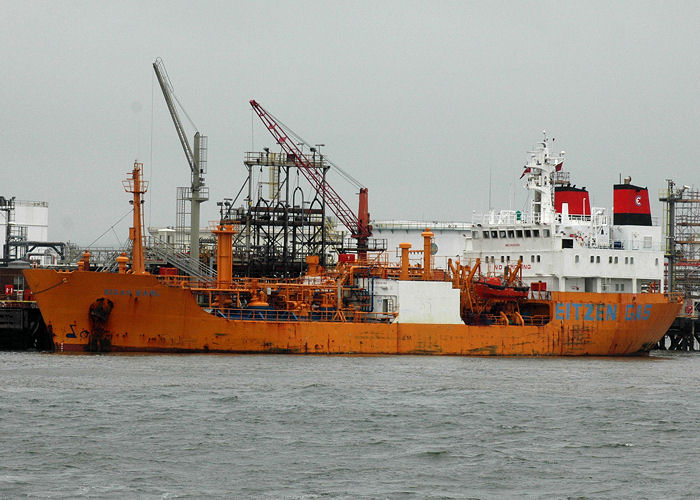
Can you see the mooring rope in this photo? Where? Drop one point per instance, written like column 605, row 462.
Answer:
column 64, row 280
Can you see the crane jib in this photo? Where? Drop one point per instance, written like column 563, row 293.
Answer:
column 347, row 217
column 165, row 87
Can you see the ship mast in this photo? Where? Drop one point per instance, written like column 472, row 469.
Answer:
column 137, row 186
column 541, row 169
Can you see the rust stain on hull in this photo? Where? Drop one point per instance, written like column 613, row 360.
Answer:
column 170, row 320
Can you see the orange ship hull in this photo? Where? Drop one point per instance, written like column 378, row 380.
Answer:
column 150, row 317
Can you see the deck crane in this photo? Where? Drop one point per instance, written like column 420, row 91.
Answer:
column 358, row 225
column 195, row 156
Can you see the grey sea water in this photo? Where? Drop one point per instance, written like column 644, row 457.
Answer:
column 181, row 426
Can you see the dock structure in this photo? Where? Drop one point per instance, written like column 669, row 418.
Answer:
column 21, row 324
column 21, row 327
column 24, row 233
column 280, row 223
column 682, row 253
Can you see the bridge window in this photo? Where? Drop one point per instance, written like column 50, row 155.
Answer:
column 610, row 259
column 494, row 234
column 627, row 260
column 501, row 234
column 538, row 258
column 576, row 259
column 511, row 233
column 597, row 259
column 656, row 261
column 486, row 235
column 532, row 258
column 567, row 243
column 528, row 234
column 519, row 233
column 546, row 233
column 535, row 233
column 615, row 259
column 503, row 259
column 631, row 260
column 592, row 259
column 475, row 235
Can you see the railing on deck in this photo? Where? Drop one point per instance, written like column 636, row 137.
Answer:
column 172, row 255
column 276, row 315
column 535, row 320
column 674, row 296
column 187, row 281
column 421, row 225
column 516, row 217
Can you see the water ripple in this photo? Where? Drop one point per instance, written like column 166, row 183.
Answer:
column 347, row 427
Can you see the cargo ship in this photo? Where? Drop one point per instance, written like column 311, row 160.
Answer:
column 482, row 303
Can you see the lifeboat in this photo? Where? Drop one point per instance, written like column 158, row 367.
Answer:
column 494, row 288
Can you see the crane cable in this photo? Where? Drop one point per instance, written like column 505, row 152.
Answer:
column 110, row 228
column 171, row 89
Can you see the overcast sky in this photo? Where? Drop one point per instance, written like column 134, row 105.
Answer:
column 418, row 100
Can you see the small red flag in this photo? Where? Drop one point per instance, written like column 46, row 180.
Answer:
column 558, row 166
column 526, row 171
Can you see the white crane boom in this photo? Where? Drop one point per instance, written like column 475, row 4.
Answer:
column 194, row 160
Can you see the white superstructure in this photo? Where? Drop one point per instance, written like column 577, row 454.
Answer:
column 581, row 252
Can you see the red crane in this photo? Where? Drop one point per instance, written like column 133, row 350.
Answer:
column 358, row 225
